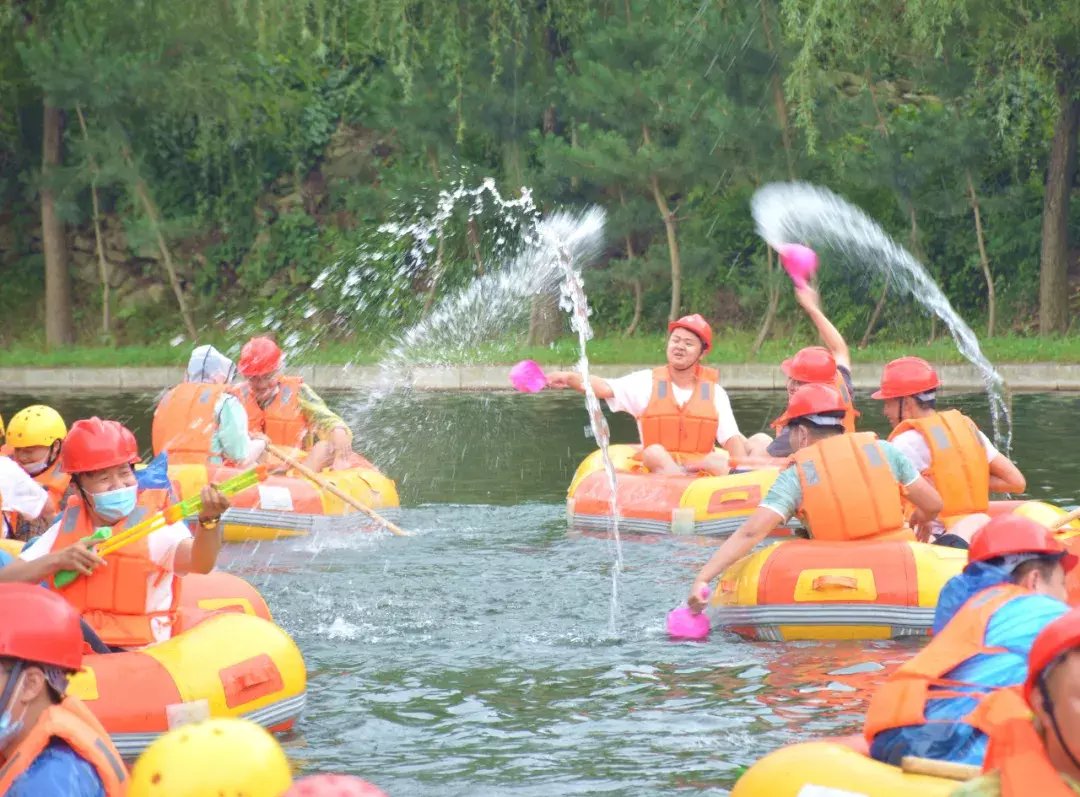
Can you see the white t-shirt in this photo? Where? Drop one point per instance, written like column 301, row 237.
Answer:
column 913, row 445
column 163, row 544
column 633, row 392
column 19, row 492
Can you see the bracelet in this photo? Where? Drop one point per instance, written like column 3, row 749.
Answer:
column 210, row 523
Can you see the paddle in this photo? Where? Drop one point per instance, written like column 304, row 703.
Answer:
column 528, row 377
column 682, row 623
column 1068, row 517
column 106, row 542
column 333, row 489
column 939, row 769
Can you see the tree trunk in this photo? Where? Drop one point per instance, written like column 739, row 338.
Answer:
column 103, row 263
column 874, row 316
column 779, row 100
column 545, row 322
column 770, row 310
column 639, row 305
column 474, row 243
column 435, row 274
column 154, row 217
column 59, row 329
column 984, row 260
column 671, row 227
column 1054, row 258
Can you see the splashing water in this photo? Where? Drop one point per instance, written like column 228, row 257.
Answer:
column 803, row 213
column 567, row 238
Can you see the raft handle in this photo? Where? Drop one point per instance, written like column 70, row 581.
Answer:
column 823, row 583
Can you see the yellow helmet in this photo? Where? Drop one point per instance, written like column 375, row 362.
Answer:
column 36, row 425
column 215, row 758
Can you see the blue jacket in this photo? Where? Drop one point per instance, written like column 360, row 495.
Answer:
column 1012, row 627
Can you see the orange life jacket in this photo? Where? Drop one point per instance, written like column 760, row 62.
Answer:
column 689, row 429
column 71, row 722
column 185, row 421
column 56, row 484
column 282, row 420
column 1016, row 750
column 113, row 599
column 958, row 466
column 901, row 700
column 849, row 491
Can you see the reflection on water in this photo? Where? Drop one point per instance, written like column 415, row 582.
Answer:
column 476, row 658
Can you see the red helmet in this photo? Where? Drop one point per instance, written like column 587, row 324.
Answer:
column 39, row 626
column 94, row 444
column 696, row 324
column 812, row 364
column 1012, row 534
column 260, row 356
column 1057, row 638
column 812, row 399
column 907, row 376
column 333, row 786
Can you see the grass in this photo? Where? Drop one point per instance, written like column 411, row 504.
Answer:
column 729, row 347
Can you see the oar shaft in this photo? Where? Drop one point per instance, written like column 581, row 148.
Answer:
column 333, row 489
column 1068, row 517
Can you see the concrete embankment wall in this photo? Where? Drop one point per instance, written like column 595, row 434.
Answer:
column 960, row 378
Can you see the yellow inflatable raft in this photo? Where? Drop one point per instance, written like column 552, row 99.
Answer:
column 650, row 503
column 290, row 506
column 810, row 589
column 832, row 769
column 228, row 665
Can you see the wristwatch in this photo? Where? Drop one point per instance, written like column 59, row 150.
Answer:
column 210, row 523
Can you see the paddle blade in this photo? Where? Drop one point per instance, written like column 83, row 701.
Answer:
column 800, row 262
column 528, row 377
column 684, row 624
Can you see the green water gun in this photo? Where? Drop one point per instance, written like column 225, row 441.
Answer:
column 166, row 517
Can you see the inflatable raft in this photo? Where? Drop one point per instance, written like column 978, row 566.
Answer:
column 650, row 503
column 228, row 665
column 810, row 589
column 290, row 506
column 838, row 768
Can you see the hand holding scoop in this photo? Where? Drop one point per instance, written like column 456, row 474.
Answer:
column 682, row 623
column 528, row 377
column 800, row 262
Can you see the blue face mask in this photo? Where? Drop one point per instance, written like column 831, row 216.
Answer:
column 115, row 505
column 9, row 726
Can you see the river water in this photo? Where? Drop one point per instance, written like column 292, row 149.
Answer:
column 477, row 657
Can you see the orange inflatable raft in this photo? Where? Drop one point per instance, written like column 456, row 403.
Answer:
column 811, row 589
column 843, row 768
column 227, row 660
column 290, row 506
column 650, row 503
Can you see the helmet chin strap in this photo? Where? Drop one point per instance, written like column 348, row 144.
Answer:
column 1049, row 704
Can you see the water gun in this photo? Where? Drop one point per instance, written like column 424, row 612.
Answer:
column 106, row 542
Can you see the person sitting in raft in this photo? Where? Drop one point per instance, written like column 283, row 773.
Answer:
column 34, row 435
column 1035, row 731
column 946, row 447
column 986, row 621
column 829, row 365
column 50, row 743
column 132, row 601
column 200, row 421
column 286, row 412
column 843, row 486
column 681, row 410
column 23, row 502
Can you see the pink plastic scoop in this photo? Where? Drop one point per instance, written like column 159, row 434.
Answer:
column 800, row 262
column 528, row 377
column 684, row 624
